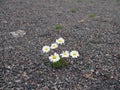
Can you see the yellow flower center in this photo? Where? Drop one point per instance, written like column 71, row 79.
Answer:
column 46, row 48
column 54, row 45
column 65, row 54
column 54, row 57
column 59, row 40
column 74, row 54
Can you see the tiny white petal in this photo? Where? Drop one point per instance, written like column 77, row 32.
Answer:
column 46, row 49
column 65, row 54
column 54, row 58
column 74, row 54
column 60, row 41
column 54, row 46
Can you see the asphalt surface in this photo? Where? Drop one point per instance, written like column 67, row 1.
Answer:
column 90, row 26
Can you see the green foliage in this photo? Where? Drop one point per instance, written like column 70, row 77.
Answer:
column 73, row 10
column 58, row 27
column 92, row 15
column 59, row 64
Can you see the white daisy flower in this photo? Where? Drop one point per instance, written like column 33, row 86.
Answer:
column 60, row 41
column 46, row 49
column 74, row 54
column 54, row 46
column 54, row 58
column 65, row 54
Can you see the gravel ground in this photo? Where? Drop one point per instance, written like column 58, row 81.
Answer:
column 90, row 26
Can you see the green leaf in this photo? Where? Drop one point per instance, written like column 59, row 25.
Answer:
column 58, row 27
column 73, row 10
column 59, row 64
column 92, row 15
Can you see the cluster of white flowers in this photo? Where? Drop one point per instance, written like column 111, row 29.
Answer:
column 56, row 57
column 46, row 49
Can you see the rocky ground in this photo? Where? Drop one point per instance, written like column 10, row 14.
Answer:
column 90, row 26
